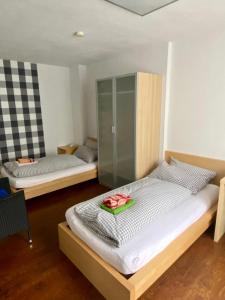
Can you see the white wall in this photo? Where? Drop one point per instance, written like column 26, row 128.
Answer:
column 151, row 59
column 78, row 81
column 196, row 122
column 68, row 95
column 56, row 105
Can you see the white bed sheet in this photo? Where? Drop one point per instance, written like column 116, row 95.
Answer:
column 35, row 180
column 129, row 258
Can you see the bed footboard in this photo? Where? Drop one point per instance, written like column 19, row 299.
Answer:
column 220, row 219
column 110, row 283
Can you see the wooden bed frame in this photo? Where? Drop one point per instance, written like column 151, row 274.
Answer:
column 60, row 183
column 57, row 184
column 113, row 285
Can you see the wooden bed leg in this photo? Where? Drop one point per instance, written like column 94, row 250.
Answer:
column 110, row 283
column 220, row 218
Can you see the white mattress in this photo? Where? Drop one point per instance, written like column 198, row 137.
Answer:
column 26, row 182
column 152, row 240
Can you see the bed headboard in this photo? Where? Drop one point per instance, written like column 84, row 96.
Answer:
column 200, row 161
column 92, row 138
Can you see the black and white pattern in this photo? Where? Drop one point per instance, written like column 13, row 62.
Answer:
column 21, row 130
column 194, row 170
column 171, row 173
column 154, row 198
column 45, row 165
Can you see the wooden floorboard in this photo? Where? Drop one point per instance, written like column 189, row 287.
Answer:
column 45, row 273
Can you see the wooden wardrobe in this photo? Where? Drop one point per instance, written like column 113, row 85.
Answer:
column 129, row 109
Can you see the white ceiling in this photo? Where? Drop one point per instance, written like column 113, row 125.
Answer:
column 41, row 30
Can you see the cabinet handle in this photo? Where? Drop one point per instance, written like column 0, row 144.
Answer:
column 113, row 129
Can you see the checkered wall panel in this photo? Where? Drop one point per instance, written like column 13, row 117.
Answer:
column 21, row 130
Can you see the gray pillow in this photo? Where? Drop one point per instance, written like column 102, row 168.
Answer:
column 85, row 153
column 208, row 174
column 179, row 176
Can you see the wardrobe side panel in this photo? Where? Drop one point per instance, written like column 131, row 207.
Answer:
column 148, row 113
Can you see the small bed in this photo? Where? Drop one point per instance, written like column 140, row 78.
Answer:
column 140, row 250
column 28, row 182
column 40, row 184
column 104, row 265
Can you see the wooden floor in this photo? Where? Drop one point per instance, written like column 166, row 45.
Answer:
column 45, row 273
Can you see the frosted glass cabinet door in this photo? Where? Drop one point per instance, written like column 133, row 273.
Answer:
column 105, row 138
column 125, row 131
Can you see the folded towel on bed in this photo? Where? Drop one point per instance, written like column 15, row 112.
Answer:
column 116, row 200
column 26, row 161
column 154, row 198
column 119, row 209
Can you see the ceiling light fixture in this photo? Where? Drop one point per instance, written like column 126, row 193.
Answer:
column 141, row 7
column 78, row 34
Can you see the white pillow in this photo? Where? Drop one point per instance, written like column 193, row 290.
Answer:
column 179, row 176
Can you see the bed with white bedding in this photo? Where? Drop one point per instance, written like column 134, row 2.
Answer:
column 53, row 172
column 49, row 174
column 155, row 247
column 132, row 256
column 30, row 181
